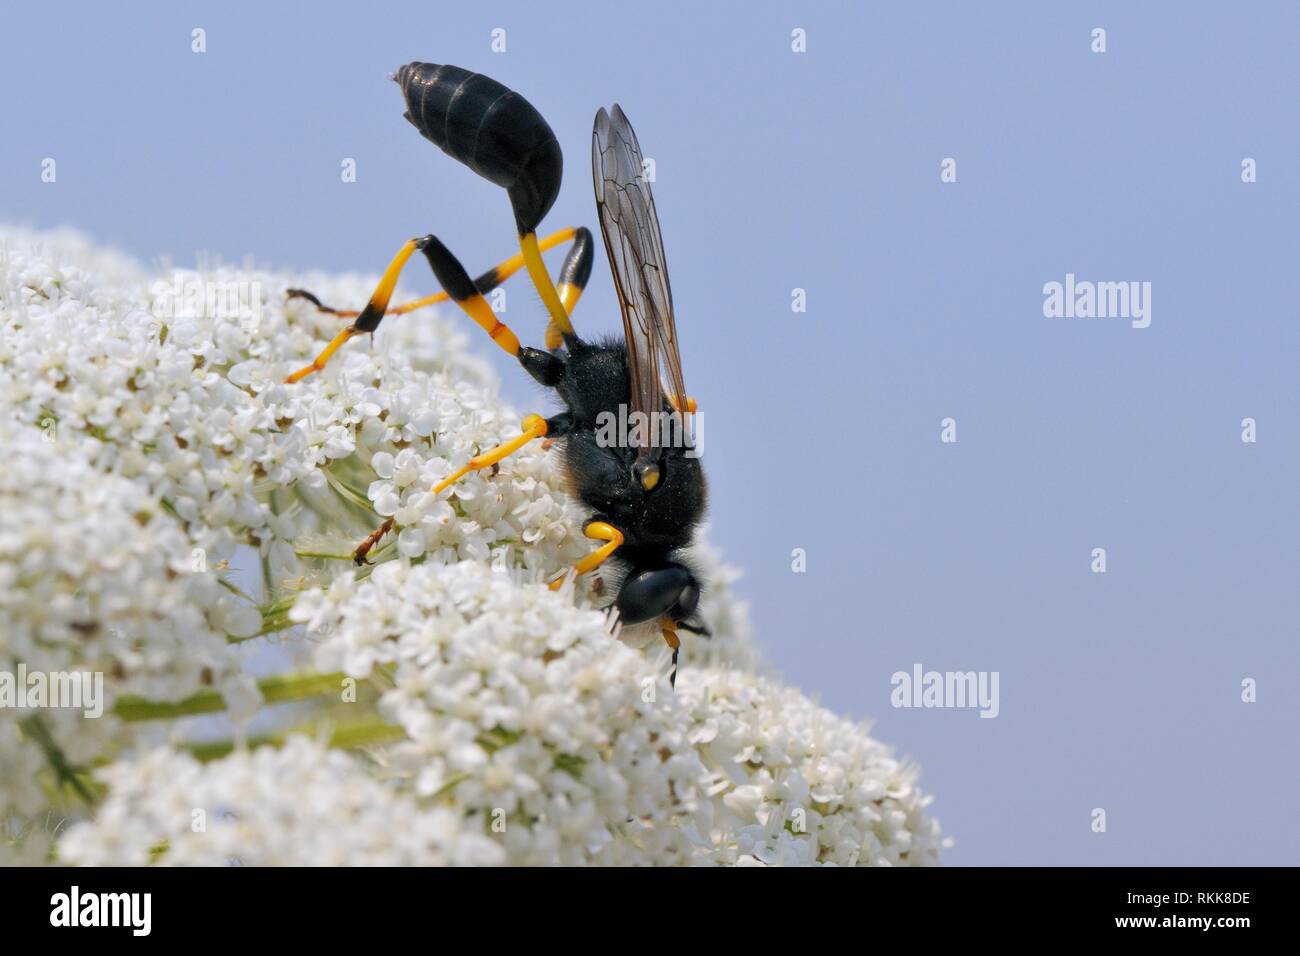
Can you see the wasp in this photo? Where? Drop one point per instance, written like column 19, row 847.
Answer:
column 646, row 490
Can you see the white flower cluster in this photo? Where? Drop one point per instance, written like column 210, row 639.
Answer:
column 185, row 394
column 150, row 436
column 96, row 579
column 798, row 785
column 267, row 807
column 522, row 711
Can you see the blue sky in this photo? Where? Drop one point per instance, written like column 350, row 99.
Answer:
column 821, row 171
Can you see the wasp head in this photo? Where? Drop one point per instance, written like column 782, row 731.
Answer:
column 670, row 591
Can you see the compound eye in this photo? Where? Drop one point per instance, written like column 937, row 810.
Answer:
column 687, row 602
column 646, row 473
column 648, row 594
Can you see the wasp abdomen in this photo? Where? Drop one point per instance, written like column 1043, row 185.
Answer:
column 491, row 129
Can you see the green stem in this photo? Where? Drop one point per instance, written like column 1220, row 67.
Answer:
column 347, row 736
column 347, row 492
column 268, row 589
column 275, row 618
column 450, row 785
column 234, row 589
column 274, row 690
column 64, row 773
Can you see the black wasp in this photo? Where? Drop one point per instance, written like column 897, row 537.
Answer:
column 647, row 494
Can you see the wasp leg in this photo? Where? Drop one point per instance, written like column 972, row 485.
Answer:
column 370, row 316
column 691, row 405
column 598, row 531
column 353, row 313
column 668, row 628
column 559, row 326
column 320, row 306
column 573, row 276
column 534, row 426
column 574, row 273
column 453, row 277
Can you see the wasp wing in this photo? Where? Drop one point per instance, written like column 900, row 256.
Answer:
column 635, row 247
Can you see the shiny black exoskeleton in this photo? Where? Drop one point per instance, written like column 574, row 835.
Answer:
column 491, row 129
column 499, row 135
column 591, row 379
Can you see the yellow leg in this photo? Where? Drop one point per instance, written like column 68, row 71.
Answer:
column 497, row 275
column 477, row 308
column 319, row 361
column 668, row 628
column 569, row 293
column 370, row 316
column 353, row 313
column 465, row 293
column 560, row 323
column 598, row 531
column 566, row 298
column 534, row 426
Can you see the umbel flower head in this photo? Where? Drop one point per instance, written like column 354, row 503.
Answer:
column 195, row 520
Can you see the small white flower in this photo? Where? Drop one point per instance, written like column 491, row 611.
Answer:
column 300, row 805
column 162, row 440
